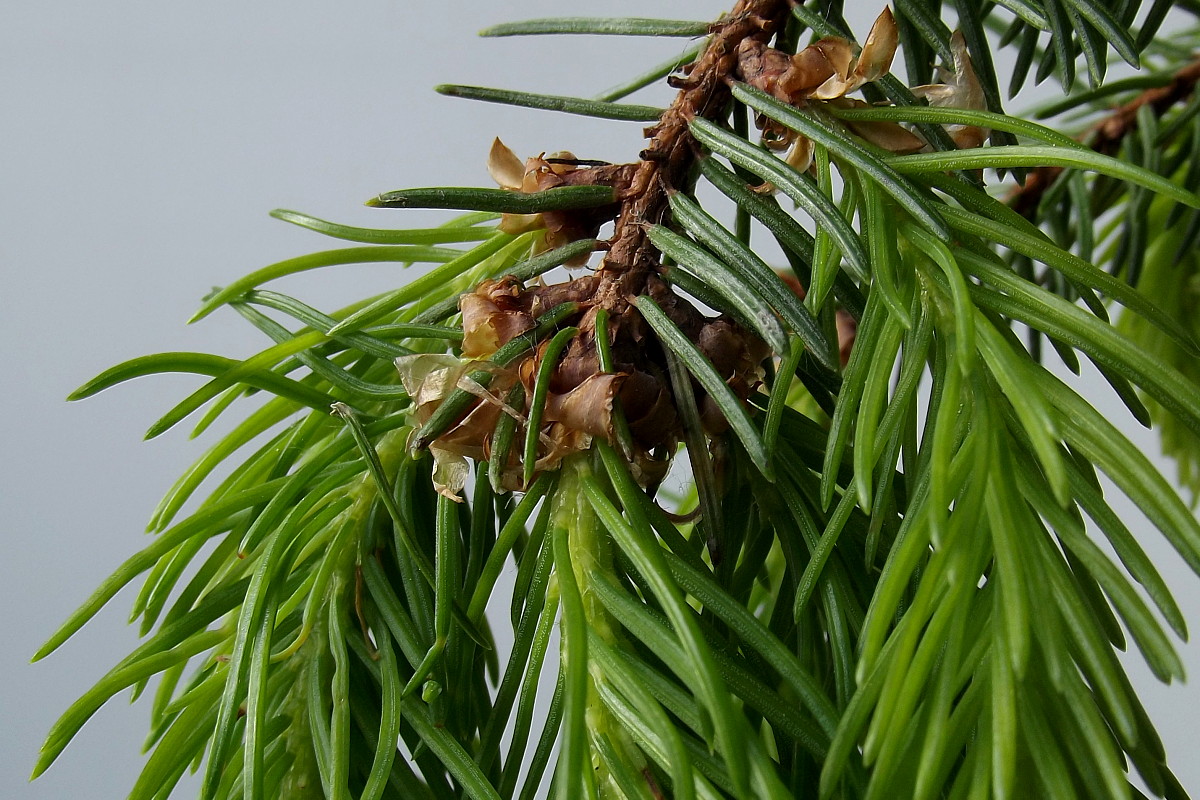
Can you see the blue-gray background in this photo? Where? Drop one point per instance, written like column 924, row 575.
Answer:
column 143, row 143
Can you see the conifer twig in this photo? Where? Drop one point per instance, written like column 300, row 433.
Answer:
column 1106, row 135
column 704, row 92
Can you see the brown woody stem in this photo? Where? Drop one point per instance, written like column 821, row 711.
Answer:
column 1105, row 136
column 704, row 92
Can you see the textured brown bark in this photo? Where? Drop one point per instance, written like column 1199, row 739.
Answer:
column 704, row 92
column 582, row 400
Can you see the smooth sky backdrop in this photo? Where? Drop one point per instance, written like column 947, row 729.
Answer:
column 143, row 144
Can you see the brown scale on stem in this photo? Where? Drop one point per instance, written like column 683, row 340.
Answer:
column 633, row 404
column 582, row 401
column 704, row 92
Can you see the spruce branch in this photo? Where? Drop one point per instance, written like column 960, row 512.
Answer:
column 877, row 578
column 666, row 160
column 1107, row 135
